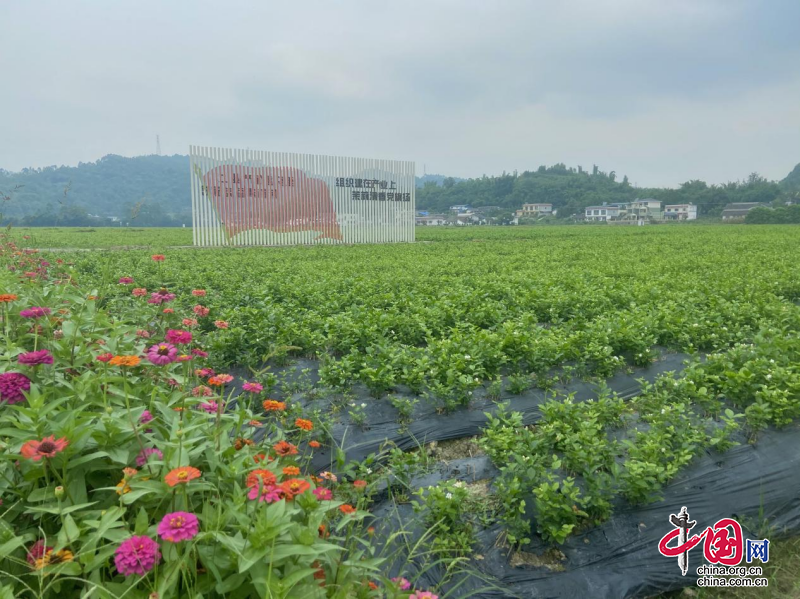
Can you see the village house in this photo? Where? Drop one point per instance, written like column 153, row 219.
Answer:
column 534, row 210
column 431, row 220
column 737, row 211
column 602, row 213
column 680, row 212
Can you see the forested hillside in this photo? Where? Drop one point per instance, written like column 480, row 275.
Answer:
column 154, row 191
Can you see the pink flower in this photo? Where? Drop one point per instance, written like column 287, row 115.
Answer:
column 139, row 292
column 178, row 526
column 162, row 354
column 200, row 353
column 35, row 358
column 35, row 312
column 221, row 324
column 168, row 311
column 137, row 555
column 143, row 334
column 201, row 311
column 322, row 493
column 189, row 322
column 173, row 383
column 184, row 358
column 104, row 357
column 224, row 378
column 37, row 551
column 253, row 387
column 402, row 583
column 204, row 372
column 145, row 454
column 160, row 297
column 268, row 493
column 202, row 391
column 125, row 280
column 199, row 292
column 210, row 406
column 12, row 385
column 423, row 595
column 179, row 337
column 145, row 417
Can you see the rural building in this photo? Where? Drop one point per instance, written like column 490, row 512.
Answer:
column 680, row 212
column 739, row 211
column 432, row 220
column 646, row 209
column 602, row 213
column 534, row 210
column 460, row 208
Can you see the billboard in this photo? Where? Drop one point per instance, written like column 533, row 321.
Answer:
column 248, row 197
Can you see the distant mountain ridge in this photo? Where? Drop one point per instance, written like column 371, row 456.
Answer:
column 154, row 190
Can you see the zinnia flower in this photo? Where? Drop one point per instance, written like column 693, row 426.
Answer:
column 158, row 257
column 284, row 448
column 162, row 354
column 268, row 493
column 145, row 454
column 51, row 558
column 291, row 471
column 189, row 322
column 125, row 361
column 168, row 311
column 181, row 475
column 6, row 298
column 185, row 358
column 347, row 508
column 145, row 417
column 199, row 353
column 104, row 357
column 160, row 297
column 35, row 312
column 322, row 493
column 137, row 555
column 209, row 406
column 37, row 551
column 199, row 292
column 125, row 280
column 46, row 448
column 220, row 379
column 313, row 444
column 202, row 391
column 306, row 425
column 270, row 405
column 201, row 311
column 178, row 526
column 12, row 386
column 329, row 476
column 423, row 595
column 143, row 334
column 35, row 358
column 260, row 477
column 179, row 337
column 139, row 292
column 360, row 484
column 203, row 372
column 221, row 324
column 253, row 387
column 402, row 583
column 294, row 487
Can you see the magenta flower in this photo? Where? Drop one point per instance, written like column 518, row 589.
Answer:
column 253, row 387
column 137, row 555
column 423, row 595
column 322, row 493
column 200, row 353
column 210, row 406
column 179, row 337
column 160, row 297
column 37, row 551
column 402, row 583
column 35, row 312
column 125, row 280
column 163, row 353
column 178, row 526
column 35, row 358
column 12, row 385
column 145, row 454
column 145, row 417
column 268, row 493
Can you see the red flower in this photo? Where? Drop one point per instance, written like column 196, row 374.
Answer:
column 104, row 357
column 283, row 449
column 158, row 257
column 306, row 425
column 294, row 487
column 313, row 444
column 360, row 484
column 199, row 292
column 46, row 448
column 347, row 509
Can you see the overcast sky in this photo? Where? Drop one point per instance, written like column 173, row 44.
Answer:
column 663, row 91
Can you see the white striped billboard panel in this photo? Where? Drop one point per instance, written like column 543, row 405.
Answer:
column 245, row 197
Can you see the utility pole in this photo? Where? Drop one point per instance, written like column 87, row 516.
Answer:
column 158, row 145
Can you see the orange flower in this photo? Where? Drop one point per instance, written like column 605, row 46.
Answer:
column 158, row 257
column 7, row 297
column 181, row 475
column 240, row 442
column 123, row 487
column 125, row 361
column 255, row 423
column 262, row 477
column 306, row 425
column 347, row 509
column 215, row 381
column 291, row 471
column 46, row 448
column 270, row 405
column 323, row 531
column 372, row 585
column 260, row 457
column 284, row 449
column 360, row 484
column 294, row 487
column 313, row 444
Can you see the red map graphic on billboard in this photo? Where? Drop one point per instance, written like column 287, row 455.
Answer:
column 279, row 199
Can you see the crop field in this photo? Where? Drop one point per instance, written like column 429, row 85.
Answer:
column 490, row 412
